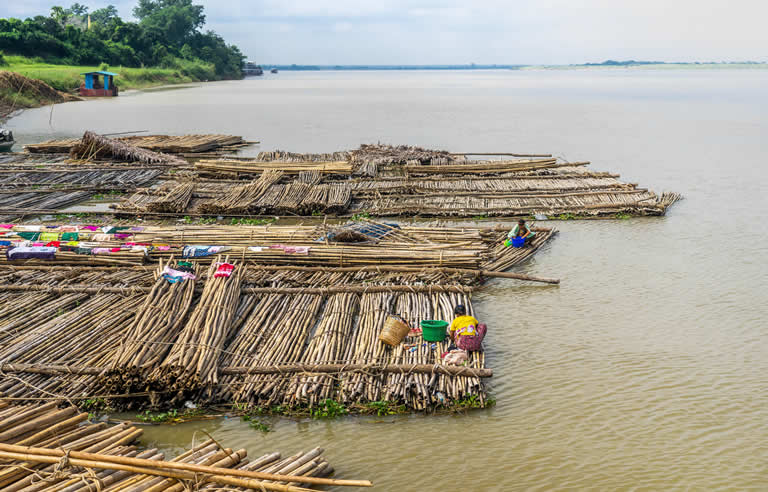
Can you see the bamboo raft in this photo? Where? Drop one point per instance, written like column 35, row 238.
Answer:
column 283, row 329
column 171, row 144
column 45, row 448
column 384, row 181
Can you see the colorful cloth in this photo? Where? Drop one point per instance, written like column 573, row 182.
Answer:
column 90, row 228
column 224, row 270
column 54, row 244
column 49, row 236
column 29, row 236
column 70, row 236
column 23, row 253
column 473, row 343
column 29, row 228
column 101, row 237
column 178, row 274
column 198, row 251
column 6, row 226
column 463, row 326
column 122, row 236
column 515, row 232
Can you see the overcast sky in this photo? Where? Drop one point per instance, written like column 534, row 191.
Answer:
column 481, row 31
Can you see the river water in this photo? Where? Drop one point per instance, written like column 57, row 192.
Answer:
column 647, row 368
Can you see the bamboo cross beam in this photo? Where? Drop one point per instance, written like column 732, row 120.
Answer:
column 501, row 153
column 336, row 289
column 372, row 368
column 156, row 471
column 59, row 370
column 176, row 465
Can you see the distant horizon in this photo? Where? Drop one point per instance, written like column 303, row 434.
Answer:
column 485, row 66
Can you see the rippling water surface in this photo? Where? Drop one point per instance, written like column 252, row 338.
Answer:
column 647, row 368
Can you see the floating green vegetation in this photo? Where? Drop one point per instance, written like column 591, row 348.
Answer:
column 328, row 409
column 622, row 216
column 94, row 406
column 252, row 222
column 169, row 417
column 479, row 217
column 567, row 216
column 360, row 216
column 383, row 408
column 254, row 423
column 200, row 220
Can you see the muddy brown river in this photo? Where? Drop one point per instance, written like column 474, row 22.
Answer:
column 646, row 369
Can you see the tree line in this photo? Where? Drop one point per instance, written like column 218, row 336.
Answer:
column 167, row 34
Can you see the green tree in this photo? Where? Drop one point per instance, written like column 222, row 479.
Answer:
column 60, row 14
column 78, row 9
column 178, row 19
column 104, row 15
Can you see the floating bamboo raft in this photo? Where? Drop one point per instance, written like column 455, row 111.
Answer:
column 379, row 180
column 288, row 328
column 170, row 144
column 93, row 146
column 45, row 448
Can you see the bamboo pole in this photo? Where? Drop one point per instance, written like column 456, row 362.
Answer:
column 336, row 289
column 159, row 472
column 60, row 370
column 32, row 454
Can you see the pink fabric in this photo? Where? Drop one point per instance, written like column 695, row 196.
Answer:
column 475, row 342
column 224, row 270
column 163, row 248
column 122, row 236
column 38, row 243
column 90, row 228
column 178, row 273
column 289, row 250
column 6, row 226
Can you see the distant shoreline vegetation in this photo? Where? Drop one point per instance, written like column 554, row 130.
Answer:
column 167, row 40
column 605, row 64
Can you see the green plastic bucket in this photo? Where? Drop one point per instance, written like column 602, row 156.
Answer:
column 433, row 330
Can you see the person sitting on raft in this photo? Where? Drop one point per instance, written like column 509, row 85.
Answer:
column 522, row 230
column 465, row 331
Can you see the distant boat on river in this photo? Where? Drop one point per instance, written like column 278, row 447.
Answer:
column 274, row 70
column 251, row 68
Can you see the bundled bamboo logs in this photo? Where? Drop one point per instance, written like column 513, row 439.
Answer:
column 228, row 166
column 155, row 327
column 174, row 201
column 159, row 143
column 48, row 449
column 243, row 197
column 192, row 361
column 93, row 145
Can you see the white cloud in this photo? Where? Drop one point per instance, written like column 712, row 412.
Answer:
column 483, row 31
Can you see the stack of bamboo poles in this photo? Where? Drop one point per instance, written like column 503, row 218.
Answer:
column 92, row 146
column 192, row 361
column 229, row 166
column 329, row 344
column 175, row 200
column 85, row 335
column 282, row 156
column 243, row 197
column 46, row 449
column 159, row 143
column 276, row 330
column 156, row 326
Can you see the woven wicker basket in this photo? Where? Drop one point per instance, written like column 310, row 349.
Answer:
column 395, row 329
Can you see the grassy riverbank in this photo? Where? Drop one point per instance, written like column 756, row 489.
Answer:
column 66, row 78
